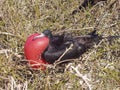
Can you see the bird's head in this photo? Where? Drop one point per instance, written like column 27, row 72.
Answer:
column 45, row 33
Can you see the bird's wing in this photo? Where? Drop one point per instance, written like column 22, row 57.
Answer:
column 52, row 56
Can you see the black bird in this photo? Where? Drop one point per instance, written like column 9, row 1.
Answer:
column 59, row 43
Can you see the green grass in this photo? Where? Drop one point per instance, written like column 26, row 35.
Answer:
column 101, row 64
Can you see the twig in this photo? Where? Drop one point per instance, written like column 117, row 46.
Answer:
column 6, row 51
column 97, row 23
column 14, row 85
column 56, row 62
column 84, row 77
column 86, row 28
column 74, row 29
column 111, row 4
column 5, row 33
column 67, row 60
column 4, row 77
column 39, row 64
column 10, row 34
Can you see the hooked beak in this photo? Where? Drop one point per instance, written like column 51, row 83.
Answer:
column 39, row 36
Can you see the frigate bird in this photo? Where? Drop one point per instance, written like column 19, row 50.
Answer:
column 59, row 43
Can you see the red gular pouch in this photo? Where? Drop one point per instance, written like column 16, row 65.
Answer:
column 33, row 49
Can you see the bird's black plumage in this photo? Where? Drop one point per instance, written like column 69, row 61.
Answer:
column 59, row 43
column 55, row 40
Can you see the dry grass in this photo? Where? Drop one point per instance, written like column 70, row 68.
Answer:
column 97, row 69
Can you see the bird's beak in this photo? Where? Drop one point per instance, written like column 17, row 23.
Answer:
column 39, row 36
